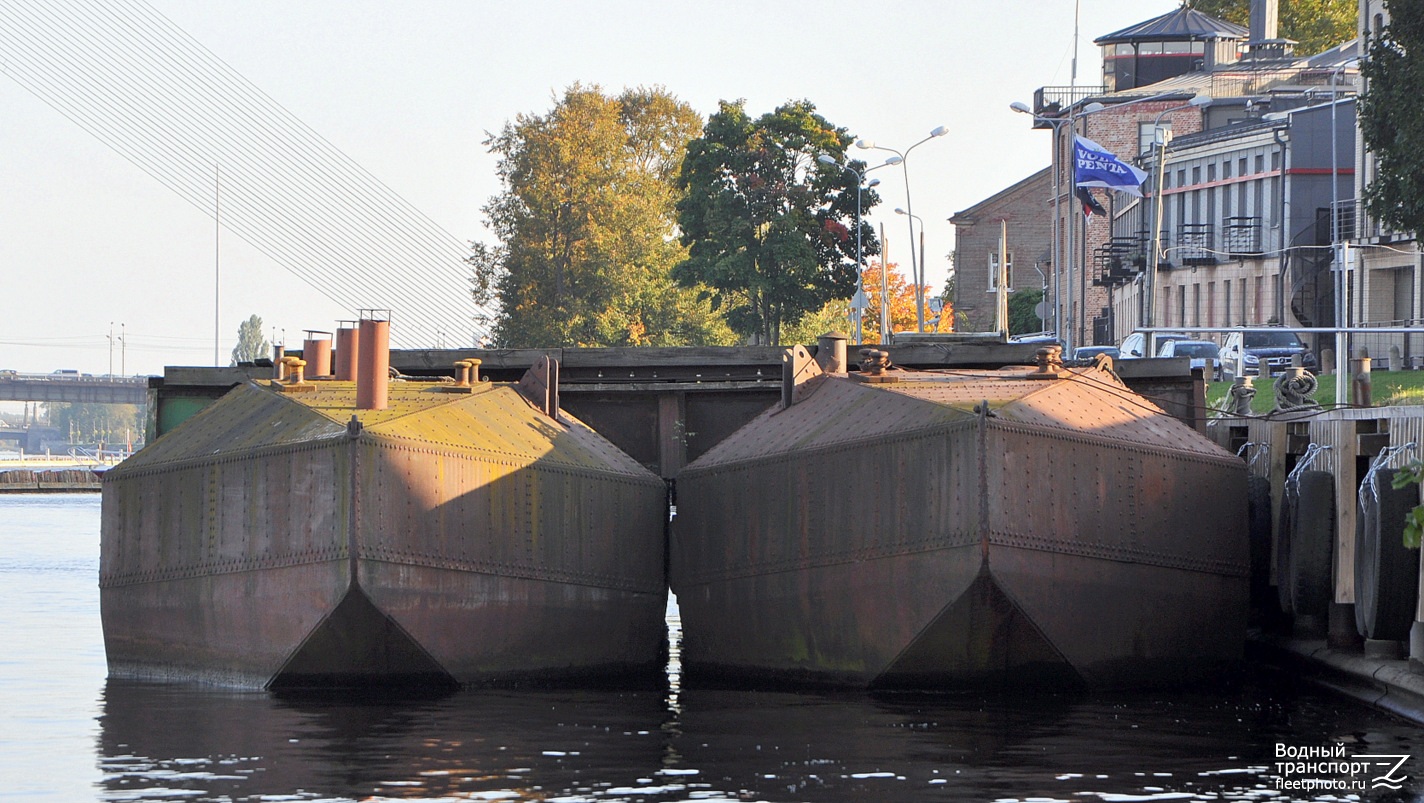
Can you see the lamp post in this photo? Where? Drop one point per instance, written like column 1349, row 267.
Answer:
column 901, row 159
column 1063, row 246
column 1055, row 123
column 859, row 254
column 1162, row 137
column 919, row 285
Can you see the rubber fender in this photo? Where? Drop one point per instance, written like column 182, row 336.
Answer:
column 1313, row 544
column 1386, row 573
column 1284, row 521
column 1258, row 507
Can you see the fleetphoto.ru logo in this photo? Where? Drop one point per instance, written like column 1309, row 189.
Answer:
column 1329, row 768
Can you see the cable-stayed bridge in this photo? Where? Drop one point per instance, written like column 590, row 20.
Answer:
column 137, row 82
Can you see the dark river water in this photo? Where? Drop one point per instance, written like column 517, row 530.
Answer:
column 68, row 734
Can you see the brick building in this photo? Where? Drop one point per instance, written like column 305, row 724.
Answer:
column 1228, row 214
column 976, row 248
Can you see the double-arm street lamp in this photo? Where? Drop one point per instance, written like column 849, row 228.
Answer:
column 859, row 254
column 915, row 268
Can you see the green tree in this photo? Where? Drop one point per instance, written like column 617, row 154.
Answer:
column 1022, row 318
column 586, row 225
column 1392, row 119
column 97, row 423
column 1317, row 25
column 768, row 226
column 251, row 345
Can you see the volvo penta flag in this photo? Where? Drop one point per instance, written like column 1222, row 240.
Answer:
column 1095, row 167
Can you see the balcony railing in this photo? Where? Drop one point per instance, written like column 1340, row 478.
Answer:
column 1241, row 237
column 1119, row 260
column 1194, row 244
column 1051, row 101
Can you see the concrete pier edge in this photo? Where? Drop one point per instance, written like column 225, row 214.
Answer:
column 1392, row 685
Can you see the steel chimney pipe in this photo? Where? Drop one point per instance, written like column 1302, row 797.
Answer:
column 374, row 365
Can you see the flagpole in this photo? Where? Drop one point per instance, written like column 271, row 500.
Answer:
column 1069, row 341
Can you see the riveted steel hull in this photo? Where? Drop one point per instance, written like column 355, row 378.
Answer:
column 420, row 548
column 899, row 539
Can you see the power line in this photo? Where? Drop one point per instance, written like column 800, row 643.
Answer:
column 150, row 92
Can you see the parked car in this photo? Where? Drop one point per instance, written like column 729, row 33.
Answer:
column 1204, row 354
column 1135, row 344
column 1089, row 352
column 1263, row 353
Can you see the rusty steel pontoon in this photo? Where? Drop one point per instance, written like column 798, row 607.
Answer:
column 951, row 529
column 297, row 533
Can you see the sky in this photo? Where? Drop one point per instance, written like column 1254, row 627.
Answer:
column 103, row 269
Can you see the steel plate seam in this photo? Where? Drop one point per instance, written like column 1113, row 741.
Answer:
column 207, row 461
column 503, row 569
column 207, row 568
column 916, row 547
column 1119, row 554
column 816, row 452
column 551, row 465
column 1224, row 458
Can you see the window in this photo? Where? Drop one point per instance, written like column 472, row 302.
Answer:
column 994, row 271
column 1211, row 172
column 1147, row 135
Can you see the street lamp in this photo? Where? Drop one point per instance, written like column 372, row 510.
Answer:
column 1057, row 123
column 1161, row 137
column 859, row 255
column 900, row 159
column 919, row 285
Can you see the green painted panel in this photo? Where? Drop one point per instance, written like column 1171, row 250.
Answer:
column 174, row 410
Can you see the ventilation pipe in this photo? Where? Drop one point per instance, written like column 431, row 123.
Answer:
column 831, row 352
column 316, row 350
column 373, row 377
column 1265, row 21
column 347, row 351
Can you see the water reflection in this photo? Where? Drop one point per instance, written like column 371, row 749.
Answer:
column 165, row 743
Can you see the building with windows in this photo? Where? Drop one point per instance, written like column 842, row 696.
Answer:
column 1019, row 212
column 1243, row 178
column 1245, row 231
column 1383, row 267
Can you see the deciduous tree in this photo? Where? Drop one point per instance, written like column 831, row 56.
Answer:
column 251, row 344
column 97, row 423
column 1317, row 25
column 902, row 303
column 1022, row 318
column 1392, row 118
column 767, row 225
column 586, row 225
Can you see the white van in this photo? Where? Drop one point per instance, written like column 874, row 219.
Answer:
column 1135, row 345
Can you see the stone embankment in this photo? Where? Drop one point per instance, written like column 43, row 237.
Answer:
column 59, row 480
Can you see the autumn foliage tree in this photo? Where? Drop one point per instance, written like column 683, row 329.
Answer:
column 586, row 226
column 902, row 303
